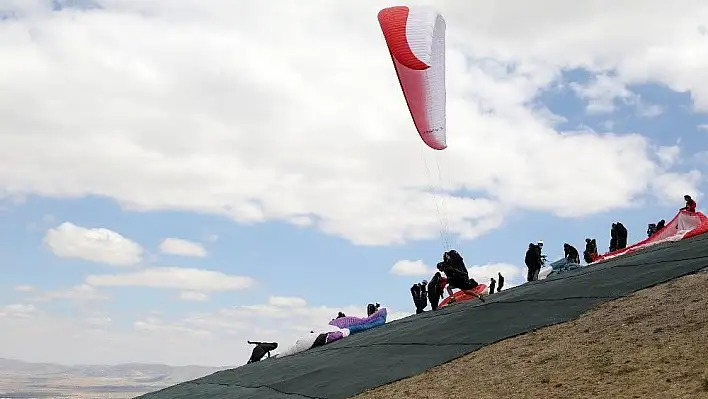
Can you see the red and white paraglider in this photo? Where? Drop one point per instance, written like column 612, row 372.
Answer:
column 416, row 41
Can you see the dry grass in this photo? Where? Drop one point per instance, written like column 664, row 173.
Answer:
column 653, row 344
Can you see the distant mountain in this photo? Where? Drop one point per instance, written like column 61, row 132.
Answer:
column 37, row 379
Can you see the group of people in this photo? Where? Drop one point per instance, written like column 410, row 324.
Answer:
column 455, row 276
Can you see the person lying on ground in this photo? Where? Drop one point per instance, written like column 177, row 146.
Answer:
column 261, row 349
column 457, row 277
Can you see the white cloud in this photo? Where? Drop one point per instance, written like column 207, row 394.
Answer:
column 671, row 187
column 93, row 244
column 178, row 246
column 601, row 93
column 703, row 127
column 211, row 338
column 265, row 149
column 286, row 302
column 513, row 275
column 81, row 293
column 668, row 155
column 411, row 268
column 17, row 310
column 174, row 278
column 604, row 91
column 193, row 296
column 24, row 288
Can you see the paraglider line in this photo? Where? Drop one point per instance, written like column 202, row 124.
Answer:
column 443, row 236
column 450, row 237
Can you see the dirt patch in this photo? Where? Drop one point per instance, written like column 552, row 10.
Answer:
column 652, row 344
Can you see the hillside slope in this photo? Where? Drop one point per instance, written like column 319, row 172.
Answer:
column 652, row 344
column 416, row 344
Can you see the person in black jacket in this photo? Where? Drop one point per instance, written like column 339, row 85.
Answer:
column 660, row 225
column 621, row 235
column 436, row 290
column 571, row 254
column 420, row 296
column 457, row 277
column 590, row 250
column 533, row 261
column 613, row 237
column 492, row 285
column 501, row 282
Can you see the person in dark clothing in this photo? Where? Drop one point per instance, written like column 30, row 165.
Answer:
column 651, row 229
column 436, row 290
column 621, row 232
column 534, row 261
column 613, row 237
column 690, row 204
column 457, row 276
column 501, row 282
column 420, row 296
column 590, row 250
column 571, row 254
column 372, row 308
column 261, row 349
column 660, row 225
column 340, row 315
column 492, row 285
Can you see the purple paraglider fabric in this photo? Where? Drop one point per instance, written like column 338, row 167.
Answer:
column 352, row 321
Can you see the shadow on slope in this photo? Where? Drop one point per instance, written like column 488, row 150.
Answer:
column 410, row 346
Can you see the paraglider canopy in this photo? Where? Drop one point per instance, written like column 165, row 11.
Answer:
column 415, row 37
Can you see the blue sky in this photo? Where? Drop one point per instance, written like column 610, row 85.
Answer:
column 121, row 138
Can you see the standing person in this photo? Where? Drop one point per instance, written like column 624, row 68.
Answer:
column 621, row 235
column 492, row 285
column 690, row 204
column 436, row 290
column 533, row 261
column 541, row 260
column 571, row 254
column 660, row 225
column 420, row 296
column 651, row 229
column 590, row 250
column 613, row 238
column 501, row 282
column 457, row 276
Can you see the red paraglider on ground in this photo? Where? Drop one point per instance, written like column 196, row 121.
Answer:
column 683, row 226
column 460, row 296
